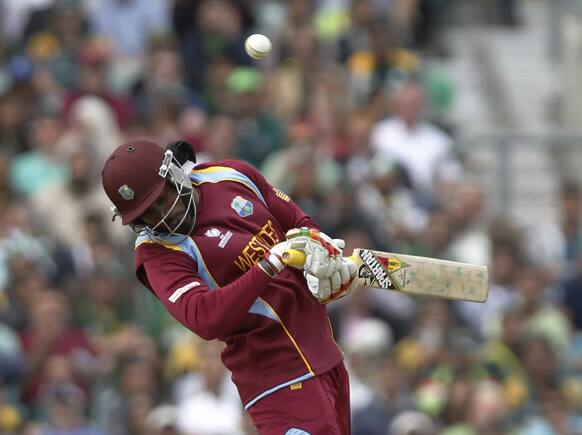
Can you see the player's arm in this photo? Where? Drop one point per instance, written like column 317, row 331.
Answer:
column 329, row 276
column 210, row 313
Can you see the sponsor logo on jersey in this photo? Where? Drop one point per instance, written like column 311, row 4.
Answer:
column 224, row 238
column 257, row 247
column 281, row 195
column 180, row 291
column 212, row 232
column 242, row 206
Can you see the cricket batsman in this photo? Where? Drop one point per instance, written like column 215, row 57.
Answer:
column 210, row 239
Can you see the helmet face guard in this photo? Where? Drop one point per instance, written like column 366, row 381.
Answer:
column 177, row 176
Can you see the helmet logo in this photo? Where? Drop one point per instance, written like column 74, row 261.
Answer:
column 126, row 192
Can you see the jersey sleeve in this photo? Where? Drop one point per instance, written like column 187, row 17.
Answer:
column 210, row 313
column 285, row 210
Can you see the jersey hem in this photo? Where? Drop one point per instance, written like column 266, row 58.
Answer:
column 278, row 387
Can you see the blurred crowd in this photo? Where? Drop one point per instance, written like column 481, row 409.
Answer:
column 347, row 116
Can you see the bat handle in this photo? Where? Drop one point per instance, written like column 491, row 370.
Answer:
column 294, row 258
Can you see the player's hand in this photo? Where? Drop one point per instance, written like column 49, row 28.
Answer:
column 323, row 254
column 338, row 285
column 273, row 263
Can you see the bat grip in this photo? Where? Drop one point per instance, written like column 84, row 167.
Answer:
column 294, row 258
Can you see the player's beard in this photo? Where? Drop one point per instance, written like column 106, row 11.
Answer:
column 184, row 223
column 187, row 224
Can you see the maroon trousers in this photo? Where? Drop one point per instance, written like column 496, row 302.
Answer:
column 317, row 406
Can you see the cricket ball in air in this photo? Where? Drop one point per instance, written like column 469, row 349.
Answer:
column 258, row 46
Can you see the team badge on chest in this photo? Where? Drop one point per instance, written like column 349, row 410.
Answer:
column 242, row 206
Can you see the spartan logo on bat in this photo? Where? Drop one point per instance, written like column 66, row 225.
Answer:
column 372, row 271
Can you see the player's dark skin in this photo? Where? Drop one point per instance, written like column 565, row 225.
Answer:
column 158, row 210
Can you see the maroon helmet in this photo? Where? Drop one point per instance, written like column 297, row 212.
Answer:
column 135, row 175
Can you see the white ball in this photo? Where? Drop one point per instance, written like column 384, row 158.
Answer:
column 258, row 46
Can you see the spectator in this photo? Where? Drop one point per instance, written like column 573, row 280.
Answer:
column 544, row 319
column 470, row 242
column 292, row 169
column 13, row 114
column 216, row 35
column 220, row 142
column 21, row 252
column 366, row 341
column 94, row 64
column 435, row 239
column 162, row 80
column 389, row 204
column 381, row 65
column 542, row 369
column 358, row 154
column 207, row 402
column 62, row 26
column 44, row 160
column 555, row 417
column 391, row 397
column 501, row 358
column 7, row 195
column 423, row 151
column 486, row 413
column 92, row 125
column 292, row 79
column 50, row 334
column 162, row 421
column 558, row 244
column 65, row 405
column 412, row 422
column 128, row 402
column 504, row 270
column 65, row 206
column 259, row 132
column 19, row 99
column 571, row 297
column 129, row 24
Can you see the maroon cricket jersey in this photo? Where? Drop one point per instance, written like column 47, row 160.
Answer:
column 276, row 333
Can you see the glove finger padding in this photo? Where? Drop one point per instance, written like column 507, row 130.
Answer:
column 352, row 270
column 340, row 244
column 317, row 260
column 336, row 281
column 339, row 284
column 344, row 272
column 319, row 288
column 328, row 266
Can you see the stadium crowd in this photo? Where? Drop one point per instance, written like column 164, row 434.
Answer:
column 347, row 118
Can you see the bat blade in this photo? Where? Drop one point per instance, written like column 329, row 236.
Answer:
column 421, row 275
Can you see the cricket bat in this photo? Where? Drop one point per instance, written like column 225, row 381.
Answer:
column 413, row 275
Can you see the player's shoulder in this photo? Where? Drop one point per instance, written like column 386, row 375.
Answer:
column 227, row 165
column 239, row 165
column 148, row 247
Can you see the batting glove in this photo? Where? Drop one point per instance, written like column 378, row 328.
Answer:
column 272, row 263
column 338, row 285
column 323, row 254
